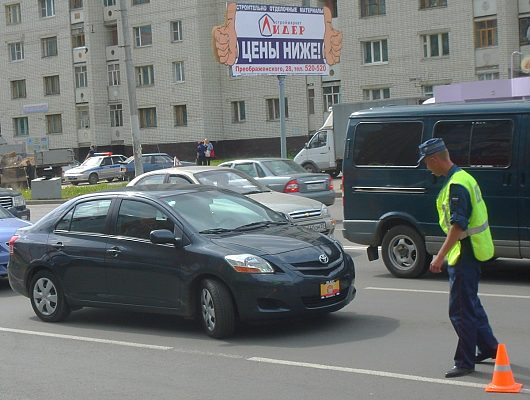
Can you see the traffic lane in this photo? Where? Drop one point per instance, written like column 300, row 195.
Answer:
column 399, row 331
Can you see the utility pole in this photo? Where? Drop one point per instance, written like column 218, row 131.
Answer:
column 283, row 141
column 131, row 90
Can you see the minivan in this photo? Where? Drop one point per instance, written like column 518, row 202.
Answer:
column 389, row 198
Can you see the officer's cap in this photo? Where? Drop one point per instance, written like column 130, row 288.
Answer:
column 431, row 146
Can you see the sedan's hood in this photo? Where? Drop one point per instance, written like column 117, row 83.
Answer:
column 272, row 241
column 285, row 203
column 77, row 170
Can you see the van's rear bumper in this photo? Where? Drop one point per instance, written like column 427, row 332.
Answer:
column 360, row 231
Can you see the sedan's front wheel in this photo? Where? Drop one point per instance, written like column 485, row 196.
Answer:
column 47, row 297
column 216, row 308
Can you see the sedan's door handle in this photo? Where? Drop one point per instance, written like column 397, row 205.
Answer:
column 114, row 251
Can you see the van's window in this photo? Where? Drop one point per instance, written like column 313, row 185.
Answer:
column 477, row 143
column 389, row 144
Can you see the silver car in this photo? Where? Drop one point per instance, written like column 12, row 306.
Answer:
column 302, row 211
column 284, row 175
column 93, row 169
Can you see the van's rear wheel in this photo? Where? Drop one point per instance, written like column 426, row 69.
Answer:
column 404, row 254
column 310, row 168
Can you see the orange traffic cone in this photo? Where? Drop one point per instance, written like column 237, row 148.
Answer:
column 503, row 381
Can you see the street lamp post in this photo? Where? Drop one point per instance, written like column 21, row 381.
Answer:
column 511, row 62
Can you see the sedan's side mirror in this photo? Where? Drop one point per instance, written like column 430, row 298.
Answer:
column 306, row 145
column 165, row 236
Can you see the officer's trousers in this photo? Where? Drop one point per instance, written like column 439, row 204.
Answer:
column 467, row 315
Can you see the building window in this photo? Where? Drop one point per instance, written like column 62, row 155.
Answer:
column 47, row 8
column 145, row 75
column 486, row 33
column 147, row 117
column 427, row 91
column 111, row 36
column 109, row 3
column 181, row 115
column 375, row 52
column 74, row 4
column 273, row 109
column 238, row 111
column 83, row 118
column 116, row 115
column 143, row 36
column 176, row 31
column 51, row 85
column 81, row 77
column 435, row 45
column 13, row 15
column 54, row 123
column 376, row 94
column 311, row 101
column 20, row 125
column 372, row 7
column 114, row 74
column 78, row 37
column 18, row 89
column 178, row 71
column 432, row 4
column 487, row 76
column 137, row 2
column 524, row 31
column 16, row 51
column 331, row 96
column 49, row 46
column 334, row 9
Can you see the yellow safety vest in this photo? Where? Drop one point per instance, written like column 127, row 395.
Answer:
column 478, row 228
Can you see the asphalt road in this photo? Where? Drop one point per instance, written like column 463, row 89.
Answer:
column 393, row 341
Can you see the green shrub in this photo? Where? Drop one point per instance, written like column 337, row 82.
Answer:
column 70, row 191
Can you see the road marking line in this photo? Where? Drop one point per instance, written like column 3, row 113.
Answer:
column 86, row 339
column 508, row 296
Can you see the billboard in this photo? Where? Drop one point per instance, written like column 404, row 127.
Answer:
column 277, row 40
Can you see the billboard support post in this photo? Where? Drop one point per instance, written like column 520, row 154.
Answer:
column 283, row 141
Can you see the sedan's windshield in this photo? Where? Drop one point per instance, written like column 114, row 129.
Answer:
column 215, row 211
column 233, row 180
column 283, row 167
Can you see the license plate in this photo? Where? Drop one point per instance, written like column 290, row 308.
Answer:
column 315, row 186
column 320, row 227
column 329, row 289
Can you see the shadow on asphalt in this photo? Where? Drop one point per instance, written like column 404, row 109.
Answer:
column 5, row 289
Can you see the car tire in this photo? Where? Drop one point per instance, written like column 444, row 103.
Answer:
column 216, row 309
column 75, row 183
column 310, row 168
column 404, row 254
column 109, row 180
column 47, row 297
column 335, row 173
column 93, row 179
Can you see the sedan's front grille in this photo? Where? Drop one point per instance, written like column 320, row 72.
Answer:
column 6, row 202
column 303, row 214
column 316, row 268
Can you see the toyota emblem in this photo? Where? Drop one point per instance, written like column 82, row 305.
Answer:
column 323, row 258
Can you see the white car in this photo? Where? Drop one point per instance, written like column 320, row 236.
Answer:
column 93, row 169
column 302, row 211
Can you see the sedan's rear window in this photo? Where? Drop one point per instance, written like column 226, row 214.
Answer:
column 284, row 167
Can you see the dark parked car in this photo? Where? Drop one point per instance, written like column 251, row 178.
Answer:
column 193, row 251
column 150, row 162
column 284, row 175
column 14, row 202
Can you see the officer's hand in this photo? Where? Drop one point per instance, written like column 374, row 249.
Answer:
column 436, row 265
column 332, row 40
column 224, row 38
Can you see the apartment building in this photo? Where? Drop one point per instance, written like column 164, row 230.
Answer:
column 63, row 69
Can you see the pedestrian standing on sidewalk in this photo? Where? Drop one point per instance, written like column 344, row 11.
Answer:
column 201, row 149
column 463, row 217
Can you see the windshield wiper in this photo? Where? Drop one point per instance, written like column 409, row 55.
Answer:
column 259, row 224
column 216, row 230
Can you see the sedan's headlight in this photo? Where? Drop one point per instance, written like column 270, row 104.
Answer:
column 19, row 201
column 249, row 263
column 324, row 211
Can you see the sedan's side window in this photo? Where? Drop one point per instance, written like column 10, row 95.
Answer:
column 178, row 180
column 260, row 171
column 247, row 168
column 116, row 159
column 64, row 223
column 137, row 219
column 107, row 161
column 152, row 180
column 90, row 216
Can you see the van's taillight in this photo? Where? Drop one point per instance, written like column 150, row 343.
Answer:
column 11, row 243
column 291, row 186
column 330, row 185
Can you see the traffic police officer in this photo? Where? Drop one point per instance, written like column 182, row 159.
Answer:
column 463, row 217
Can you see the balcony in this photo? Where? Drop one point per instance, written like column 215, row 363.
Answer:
column 77, row 16
column 115, row 93
column 111, row 13
column 79, row 54
column 114, row 53
column 81, row 95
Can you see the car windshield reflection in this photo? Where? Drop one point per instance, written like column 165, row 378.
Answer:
column 216, row 212
column 232, row 180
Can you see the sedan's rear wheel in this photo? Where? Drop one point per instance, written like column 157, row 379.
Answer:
column 47, row 297
column 216, row 308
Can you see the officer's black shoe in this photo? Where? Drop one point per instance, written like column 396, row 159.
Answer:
column 480, row 357
column 457, row 371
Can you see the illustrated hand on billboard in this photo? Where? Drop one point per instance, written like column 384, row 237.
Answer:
column 224, row 38
column 332, row 40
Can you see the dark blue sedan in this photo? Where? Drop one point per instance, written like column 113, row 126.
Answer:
column 194, row 251
column 150, row 162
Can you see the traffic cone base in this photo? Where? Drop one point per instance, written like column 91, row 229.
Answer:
column 502, row 380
